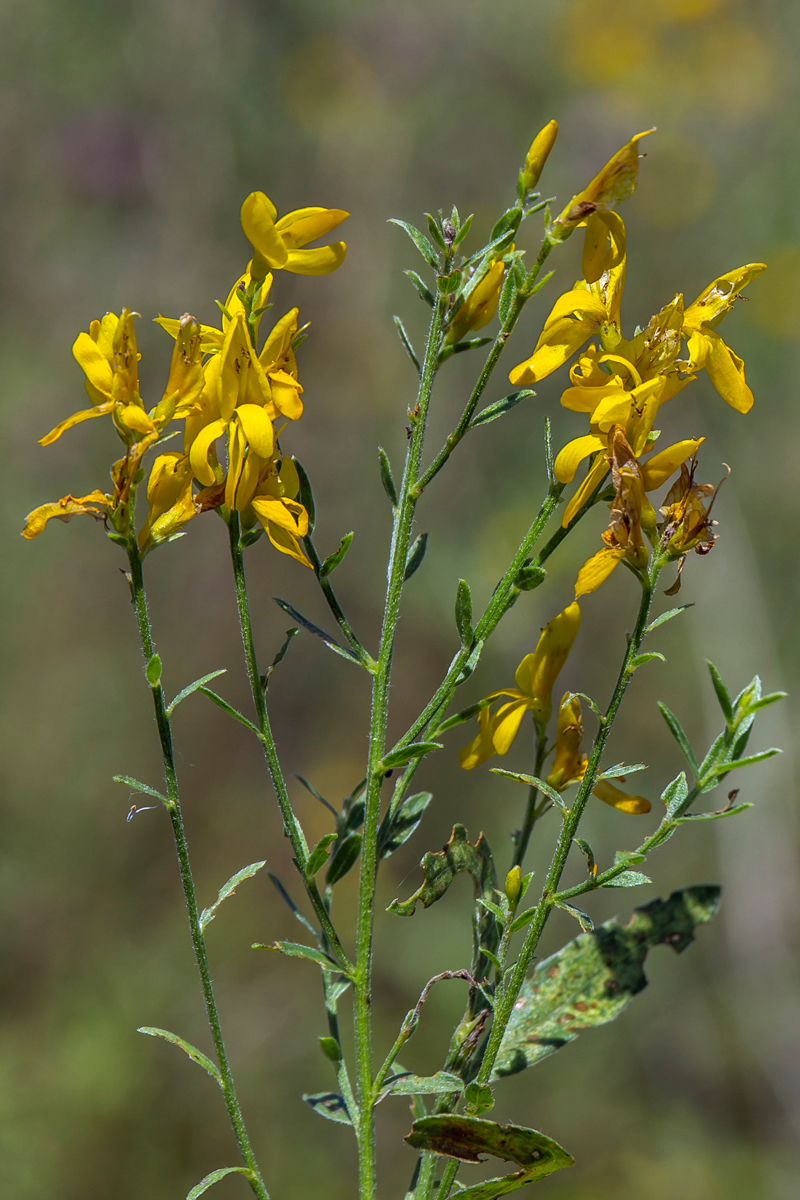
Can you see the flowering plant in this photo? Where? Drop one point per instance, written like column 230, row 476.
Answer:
column 232, row 395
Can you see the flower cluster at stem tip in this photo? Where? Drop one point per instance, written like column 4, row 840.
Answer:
column 222, row 387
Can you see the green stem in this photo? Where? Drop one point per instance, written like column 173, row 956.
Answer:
column 334, row 605
column 531, row 813
column 198, row 941
column 401, row 536
column 569, row 828
column 291, row 825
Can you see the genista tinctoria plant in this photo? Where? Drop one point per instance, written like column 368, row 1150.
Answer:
column 231, row 397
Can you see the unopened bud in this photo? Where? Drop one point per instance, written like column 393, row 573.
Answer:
column 513, row 885
column 538, row 154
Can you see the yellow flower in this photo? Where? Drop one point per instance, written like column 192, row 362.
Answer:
column 277, row 242
column 613, row 184
column 94, row 505
column 275, row 505
column 707, row 349
column 538, row 154
column 687, row 523
column 569, row 765
column 479, row 306
column 170, row 499
column 534, row 677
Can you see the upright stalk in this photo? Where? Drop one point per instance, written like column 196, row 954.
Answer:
column 187, row 881
column 532, row 812
column 401, row 536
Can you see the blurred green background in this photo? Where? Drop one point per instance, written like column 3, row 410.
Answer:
column 129, row 134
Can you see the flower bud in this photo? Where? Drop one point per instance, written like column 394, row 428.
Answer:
column 538, row 154
column 513, row 886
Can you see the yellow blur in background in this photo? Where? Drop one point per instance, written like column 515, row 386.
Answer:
column 129, row 135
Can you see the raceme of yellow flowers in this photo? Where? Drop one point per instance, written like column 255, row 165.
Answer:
column 221, row 386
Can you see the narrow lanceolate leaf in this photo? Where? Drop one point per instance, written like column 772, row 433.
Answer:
column 675, row 794
column 500, row 407
column 440, row 1084
column 192, row 687
column 422, row 287
column 420, row 241
column 460, row 347
column 330, row 1105
column 387, row 479
column 464, row 613
column 628, row 879
column 532, row 781
column 666, row 616
column 306, row 495
column 330, row 642
column 469, row 1138
column 297, row 950
column 619, row 770
column 398, row 826
column 508, row 295
column 441, row 868
column 194, row 1054
column 406, row 340
column 722, row 694
column 529, row 577
column 215, row 1177
column 723, row 767
column 398, row 758
column 129, row 781
column 228, row 889
column 291, row 634
column 333, row 560
column 676, row 729
column 319, row 855
column 229, row 709
column 592, row 979
column 416, row 555
column 584, row 920
column 343, row 858
column 641, row 659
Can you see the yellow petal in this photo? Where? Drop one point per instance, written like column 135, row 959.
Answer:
column 658, row 469
column 279, row 341
column 605, row 791
column 597, row 570
column 726, row 372
column 557, row 343
column 594, row 476
column 290, row 480
column 572, row 455
column 257, row 429
column 506, row 723
column 613, row 409
column 258, row 223
column 717, row 299
column 320, row 261
column 307, row 224
column 211, row 337
column 200, row 451
column 287, row 544
column 481, row 747
column 598, row 255
column 76, row 419
column 613, row 184
column 538, row 154
column 94, row 363
column 134, row 419
column 62, row 510
column 537, row 673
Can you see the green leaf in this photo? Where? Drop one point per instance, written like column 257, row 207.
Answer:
column 306, row 495
column 459, row 718
column 675, row 794
column 398, row 826
column 471, row 663
column 440, row 869
column 208, row 914
column 192, row 687
column 140, row 787
column 592, row 979
column 667, row 616
column 343, row 858
column 333, row 560
column 318, row 856
column 468, row 1138
column 461, row 347
column 435, row 231
column 508, row 295
column 420, row 241
column 194, row 1054
column 297, row 950
column 619, row 770
column 387, row 479
column 398, row 758
column 723, row 767
column 330, row 1105
column 463, row 231
column 330, row 1048
column 215, row 1177
column 676, row 729
column 530, row 577
column 500, row 407
column 628, row 879
column 291, row 634
column 464, row 613
column 153, row 671
column 416, row 555
column 722, row 694
column 406, row 340
column 713, row 816
column 766, row 700
column 422, row 287
column 443, row 1083
column 449, row 284
column 589, row 852
column 584, row 920
column 479, row 1098
column 229, row 709
column 532, row 781
column 315, row 629
column 641, row 659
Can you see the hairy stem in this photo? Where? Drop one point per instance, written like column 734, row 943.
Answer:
column 187, row 881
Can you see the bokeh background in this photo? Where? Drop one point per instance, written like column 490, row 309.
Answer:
column 129, row 134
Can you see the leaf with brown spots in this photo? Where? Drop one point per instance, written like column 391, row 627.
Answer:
column 592, row 979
